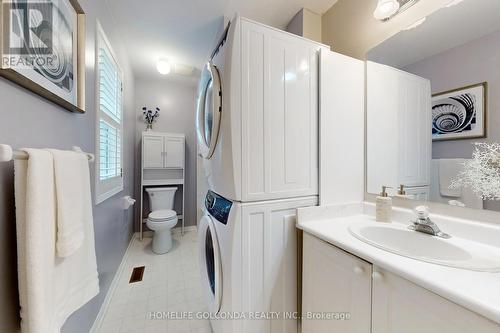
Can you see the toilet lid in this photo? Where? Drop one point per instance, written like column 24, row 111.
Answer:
column 162, row 215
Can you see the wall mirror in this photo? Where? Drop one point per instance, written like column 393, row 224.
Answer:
column 433, row 108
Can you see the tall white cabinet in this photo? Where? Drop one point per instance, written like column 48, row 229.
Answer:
column 279, row 81
column 377, row 300
column 163, row 164
column 399, row 139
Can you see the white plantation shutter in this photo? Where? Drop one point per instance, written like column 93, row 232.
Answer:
column 109, row 121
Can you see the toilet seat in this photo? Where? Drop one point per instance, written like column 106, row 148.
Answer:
column 162, row 215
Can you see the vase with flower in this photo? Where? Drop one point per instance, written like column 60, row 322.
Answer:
column 150, row 117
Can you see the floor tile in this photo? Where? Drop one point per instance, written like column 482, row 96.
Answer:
column 171, row 283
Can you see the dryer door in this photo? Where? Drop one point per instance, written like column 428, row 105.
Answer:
column 209, row 110
column 210, row 263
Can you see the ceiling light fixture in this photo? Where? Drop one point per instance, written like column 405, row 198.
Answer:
column 163, row 66
column 385, row 9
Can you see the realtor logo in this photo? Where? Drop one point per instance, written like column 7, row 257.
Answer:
column 28, row 40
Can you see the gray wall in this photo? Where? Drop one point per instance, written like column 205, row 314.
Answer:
column 27, row 120
column 177, row 103
column 296, row 24
column 471, row 63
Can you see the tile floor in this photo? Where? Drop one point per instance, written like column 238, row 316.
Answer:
column 170, row 284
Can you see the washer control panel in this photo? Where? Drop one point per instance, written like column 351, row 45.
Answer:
column 219, row 207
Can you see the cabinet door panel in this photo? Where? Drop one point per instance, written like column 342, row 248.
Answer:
column 153, row 152
column 401, row 306
column 279, row 114
column 335, row 282
column 174, row 152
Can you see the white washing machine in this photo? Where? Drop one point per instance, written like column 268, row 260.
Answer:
column 248, row 262
column 257, row 114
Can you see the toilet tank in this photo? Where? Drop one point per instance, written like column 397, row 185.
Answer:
column 161, row 197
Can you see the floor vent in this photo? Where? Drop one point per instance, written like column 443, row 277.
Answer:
column 137, row 274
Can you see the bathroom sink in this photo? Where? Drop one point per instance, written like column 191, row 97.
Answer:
column 454, row 252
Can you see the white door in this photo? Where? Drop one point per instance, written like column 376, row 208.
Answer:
column 153, row 151
column 210, row 263
column 174, row 152
column 209, row 110
column 335, row 281
column 401, row 306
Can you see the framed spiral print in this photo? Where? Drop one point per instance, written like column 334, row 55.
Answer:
column 42, row 48
column 460, row 113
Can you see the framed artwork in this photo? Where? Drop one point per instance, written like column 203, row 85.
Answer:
column 42, row 48
column 460, row 113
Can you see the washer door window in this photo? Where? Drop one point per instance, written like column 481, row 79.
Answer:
column 210, row 263
column 209, row 110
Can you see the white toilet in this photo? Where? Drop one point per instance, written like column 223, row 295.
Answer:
column 162, row 217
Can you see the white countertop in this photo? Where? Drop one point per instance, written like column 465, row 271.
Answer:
column 476, row 291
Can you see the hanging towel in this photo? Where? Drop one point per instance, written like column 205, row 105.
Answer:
column 50, row 288
column 71, row 172
column 448, row 170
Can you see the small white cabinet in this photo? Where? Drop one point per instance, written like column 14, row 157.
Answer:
column 163, row 150
column 174, row 152
column 378, row 301
column 163, row 164
column 335, row 282
column 153, row 151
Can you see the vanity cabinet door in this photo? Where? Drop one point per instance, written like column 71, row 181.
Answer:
column 153, row 151
column 334, row 281
column 401, row 306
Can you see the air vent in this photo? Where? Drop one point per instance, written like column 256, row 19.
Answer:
column 137, row 274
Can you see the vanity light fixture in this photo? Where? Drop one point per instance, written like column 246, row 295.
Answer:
column 163, row 66
column 385, row 9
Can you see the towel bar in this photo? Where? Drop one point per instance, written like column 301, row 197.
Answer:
column 7, row 154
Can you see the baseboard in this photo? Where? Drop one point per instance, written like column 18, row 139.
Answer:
column 104, row 306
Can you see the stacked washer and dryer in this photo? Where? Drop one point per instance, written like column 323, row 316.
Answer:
column 258, row 134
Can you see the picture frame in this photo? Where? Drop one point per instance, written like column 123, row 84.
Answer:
column 46, row 55
column 461, row 113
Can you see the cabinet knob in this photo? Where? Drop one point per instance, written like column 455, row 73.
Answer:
column 377, row 276
column 358, row 270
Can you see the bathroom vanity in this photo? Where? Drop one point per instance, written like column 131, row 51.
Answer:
column 384, row 278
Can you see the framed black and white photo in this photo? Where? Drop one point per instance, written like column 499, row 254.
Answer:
column 42, row 48
column 460, row 113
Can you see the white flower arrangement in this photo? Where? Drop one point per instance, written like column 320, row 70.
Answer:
column 482, row 172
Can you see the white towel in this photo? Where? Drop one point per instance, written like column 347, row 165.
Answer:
column 448, row 170
column 50, row 288
column 72, row 180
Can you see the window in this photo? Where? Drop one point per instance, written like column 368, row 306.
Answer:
column 109, row 118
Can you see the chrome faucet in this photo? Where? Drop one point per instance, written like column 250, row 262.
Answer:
column 424, row 224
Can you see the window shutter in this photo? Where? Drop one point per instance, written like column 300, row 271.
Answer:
column 109, row 122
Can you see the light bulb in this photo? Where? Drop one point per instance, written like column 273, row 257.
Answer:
column 385, row 9
column 163, row 66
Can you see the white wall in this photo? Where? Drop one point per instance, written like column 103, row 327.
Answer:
column 176, row 101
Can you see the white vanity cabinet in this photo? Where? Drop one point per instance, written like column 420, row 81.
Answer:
column 399, row 139
column 334, row 281
column 378, row 301
column 402, row 306
column 163, row 150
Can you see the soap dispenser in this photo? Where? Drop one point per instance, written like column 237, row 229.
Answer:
column 383, row 209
